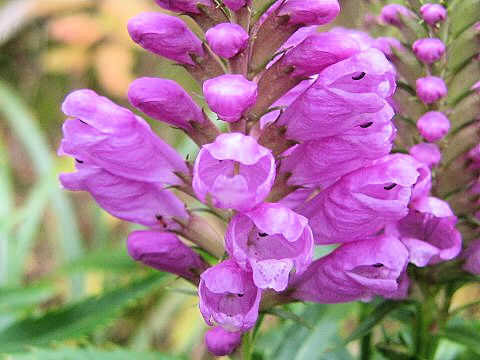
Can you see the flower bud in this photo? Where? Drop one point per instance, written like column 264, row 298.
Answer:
column 428, row 154
column 433, row 13
column 318, row 51
column 227, row 39
column 165, row 35
column 236, row 5
column 165, row 252
column 472, row 257
column 431, row 89
column 391, row 14
column 164, row 100
column 183, row 6
column 433, row 126
column 311, row 12
column 428, row 50
column 386, row 45
column 270, row 241
column 221, row 342
column 230, row 96
column 228, row 297
column 234, row 171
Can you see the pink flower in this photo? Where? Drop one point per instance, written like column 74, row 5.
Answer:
column 433, row 13
column 429, row 154
column 221, row 342
column 311, row 12
column 270, row 241
column 433, row 126
column 429, row 50
column 234, row 171
column 392, row 14
column 228, row 297
column 431, row 89
column 183, row 6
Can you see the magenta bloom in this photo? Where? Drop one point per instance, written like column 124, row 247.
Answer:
column 431, row 89
column 165, row 252
column 164, row 100
column 433, row 13
column 423, row 186
column 311, row 12
column 318, row 51
column 340, row 154
column 165, row 35
column 183, row 6
column 106, row 135
column 429, row 233
column 362, row 202
column 140, row 202
column 236, row 5
column 355, row 271
column 270, row 241
column 349, row 93
column 230, row 96
column 427, row 153
column 472, row 257
column 228, row 297
column 428, row 50
column 433, row 126
column 392, row 14
column 235, row 171
column 363, row 39
column 227, row 39
column 221, row 342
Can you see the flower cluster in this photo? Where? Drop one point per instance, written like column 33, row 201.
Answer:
column 307, row 162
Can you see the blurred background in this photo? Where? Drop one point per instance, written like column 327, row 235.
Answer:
column 68, row 289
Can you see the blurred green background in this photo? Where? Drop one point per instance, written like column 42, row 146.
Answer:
column 68, row 289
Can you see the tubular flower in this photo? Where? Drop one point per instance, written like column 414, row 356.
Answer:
column 433, row 13
column 234, row 171
column 392, row 14
column 228, row 297
column 183, row 6
column 221, row 342
column 433, row 126
column 431, row 89
column 312, row 12
column 428, row 50
column 270, row 241
column 227, row 39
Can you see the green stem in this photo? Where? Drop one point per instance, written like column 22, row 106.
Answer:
column 366, row 340
column 247, row 346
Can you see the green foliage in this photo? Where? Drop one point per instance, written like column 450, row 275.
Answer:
column 77, row 319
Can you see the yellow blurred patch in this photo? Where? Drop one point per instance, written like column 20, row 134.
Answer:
column 78, row 29
column 66, row 59
column 94, row 283
column 466, row 295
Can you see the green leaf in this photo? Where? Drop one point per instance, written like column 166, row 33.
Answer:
column 296, row 342
column 77, row 319
column 89, row 353
column 463, row 334
column 112, row 260
column 288, row 315
column 21, row 298
column 395, row 352
column 463, row 14
column 375, row 317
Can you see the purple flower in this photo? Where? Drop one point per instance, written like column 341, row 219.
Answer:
column 228, row 297
column 423, row 186
column 230, row 96
column 166, row 101
column 433, row 13
column 429, row 232
column 472, row 257
column 428, row 50
column 140, row 202
column 364, row 40
column 165, row 35
column 236, row 5
column 270, row 240
column 165, row 252
column 433, row 126
column 349, row 93
column 354, row 271
column 227, row 39
column 341, row 154
column 221, row 342
column 106, row 135
column 431, row 89
column 234, row 171
column 311, row 12
column 183, row 6
column 476, row 87
column 392, row 14
column 363, row 201
column 318, row 51
column 429, row 154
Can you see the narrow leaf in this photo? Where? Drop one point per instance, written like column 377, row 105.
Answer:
column 463, row 334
